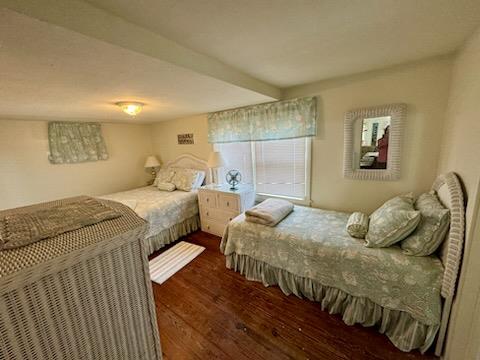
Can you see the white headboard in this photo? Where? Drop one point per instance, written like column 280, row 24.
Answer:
column 190, row 161
column 450, row 193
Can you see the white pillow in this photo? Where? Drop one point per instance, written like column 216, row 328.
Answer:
column 185, row 179
column 164, row 175
column 200, row 179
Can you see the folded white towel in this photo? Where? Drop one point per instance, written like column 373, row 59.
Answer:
column 269, row 212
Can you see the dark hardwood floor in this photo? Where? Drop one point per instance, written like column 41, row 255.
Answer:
column 206, row 311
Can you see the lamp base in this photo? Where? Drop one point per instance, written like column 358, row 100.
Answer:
column 154, row 176
column 215, row 178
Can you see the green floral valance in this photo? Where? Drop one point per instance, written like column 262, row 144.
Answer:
column 272, row 121
column 75, row 142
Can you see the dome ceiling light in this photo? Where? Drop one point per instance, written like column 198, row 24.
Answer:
column 130, row 108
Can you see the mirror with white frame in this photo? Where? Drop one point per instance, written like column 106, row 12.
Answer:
column 372, row 145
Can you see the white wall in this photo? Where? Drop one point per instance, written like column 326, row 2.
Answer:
column 460, row 153
column 423, row 86
column 165, row 133
column 27, row 177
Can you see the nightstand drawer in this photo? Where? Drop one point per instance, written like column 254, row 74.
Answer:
column 220, row 204
column 229, row 202
column 218, row 215
column 207, row 198
column 213, row 227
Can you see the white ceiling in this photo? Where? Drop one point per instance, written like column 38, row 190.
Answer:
column 291, row 42
column 51, row 73
column 71, row 60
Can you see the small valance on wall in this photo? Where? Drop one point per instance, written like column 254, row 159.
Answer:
column 72, row 142
column 272, row 121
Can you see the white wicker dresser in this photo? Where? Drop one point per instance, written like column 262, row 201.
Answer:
column 85, row 294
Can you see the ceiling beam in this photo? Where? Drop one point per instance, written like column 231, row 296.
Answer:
column 91, row 21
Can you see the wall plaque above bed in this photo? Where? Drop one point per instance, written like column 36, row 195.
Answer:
column 185, row 139
column 72, row 142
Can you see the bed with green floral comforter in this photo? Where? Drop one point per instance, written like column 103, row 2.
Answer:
column 170, row 214
column 311, row 255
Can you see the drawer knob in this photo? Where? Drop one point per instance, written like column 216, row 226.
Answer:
column 228, row 203
column 230, row 219
column 208, row 214
column 208, row 227
column 208, row 199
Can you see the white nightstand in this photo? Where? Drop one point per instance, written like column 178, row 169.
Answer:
column 219, row 205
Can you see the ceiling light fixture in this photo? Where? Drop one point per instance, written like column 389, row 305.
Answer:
column 130, row 108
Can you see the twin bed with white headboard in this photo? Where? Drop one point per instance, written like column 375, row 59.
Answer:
column 170, row 215
column 310, row 254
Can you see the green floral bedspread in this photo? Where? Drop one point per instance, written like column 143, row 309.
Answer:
column 162, row 209
column 313, row 243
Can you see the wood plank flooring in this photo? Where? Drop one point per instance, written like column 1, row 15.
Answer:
column 206, row 311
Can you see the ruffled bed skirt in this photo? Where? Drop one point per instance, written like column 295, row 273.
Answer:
column 403, row 330
column 167, row 236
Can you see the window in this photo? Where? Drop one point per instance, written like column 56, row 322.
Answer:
column 238, row 156
column 278, row 168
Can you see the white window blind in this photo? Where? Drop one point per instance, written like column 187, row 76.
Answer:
column 281, row 167
column 276, row 167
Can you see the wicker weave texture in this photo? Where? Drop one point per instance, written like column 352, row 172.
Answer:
column 13, row 260
column 96, row 309
column 451, row 252
column 95, row 302
column 450, row 192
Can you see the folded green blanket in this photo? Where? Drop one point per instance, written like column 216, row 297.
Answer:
column 24, row 228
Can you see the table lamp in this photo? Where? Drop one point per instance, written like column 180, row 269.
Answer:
column 215, row 161
column 152, row 163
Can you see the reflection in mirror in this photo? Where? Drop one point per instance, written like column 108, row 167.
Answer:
column 374, row 143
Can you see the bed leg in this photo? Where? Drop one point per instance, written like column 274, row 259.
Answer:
column 443, row 326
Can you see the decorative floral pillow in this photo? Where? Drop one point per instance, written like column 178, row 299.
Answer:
column 185, row 179
column 357, row 225
column 165, row 186
column 432, row 228
column 392, row 222
column 164, row 176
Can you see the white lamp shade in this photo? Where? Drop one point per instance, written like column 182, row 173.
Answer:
column 152, row 162
column 215, row 160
